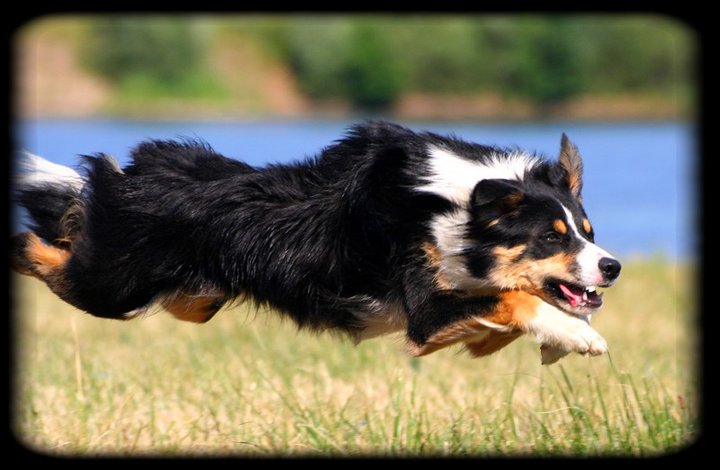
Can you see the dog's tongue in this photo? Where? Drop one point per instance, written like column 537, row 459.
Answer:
column 574, row 298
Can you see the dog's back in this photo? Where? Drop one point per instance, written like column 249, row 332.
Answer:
column 190, row 229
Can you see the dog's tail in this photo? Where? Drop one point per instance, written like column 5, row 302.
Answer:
column 48, row 192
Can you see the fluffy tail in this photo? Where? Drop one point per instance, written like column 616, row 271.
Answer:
column 48, row 192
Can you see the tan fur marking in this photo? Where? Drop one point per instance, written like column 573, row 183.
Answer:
column 493, row 222
column 513, row 311
column 432, row 252
column 493, row 342
column 570, row 159
column 508, row 255
column 513, row 199
column 451, row 334
column 196, row 309
column 586, row 226
column 574, row 182
column 560, row 226
column 44, row 262
column 528, row 274
column 45, row 258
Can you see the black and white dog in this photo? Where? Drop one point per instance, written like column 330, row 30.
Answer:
column 386, row 230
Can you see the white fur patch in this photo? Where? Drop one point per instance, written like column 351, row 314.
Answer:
column 566, row 333
column 589, row 257
column 454, row 177
column 449, row 232
column 495, row 326
column 38, row 171
column 385, row 319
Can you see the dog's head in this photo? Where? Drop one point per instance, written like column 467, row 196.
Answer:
column 529, row 233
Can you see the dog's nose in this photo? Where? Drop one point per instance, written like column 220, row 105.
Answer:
column 610, row 268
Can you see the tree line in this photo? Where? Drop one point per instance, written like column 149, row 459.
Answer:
column 373, row 60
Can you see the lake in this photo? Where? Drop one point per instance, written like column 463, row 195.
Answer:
column 640, row 181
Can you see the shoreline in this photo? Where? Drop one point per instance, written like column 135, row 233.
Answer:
column 351, row 116
column 585, row 109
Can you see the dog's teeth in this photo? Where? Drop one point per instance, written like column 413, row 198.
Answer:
column 584, row 295
column 591, row 289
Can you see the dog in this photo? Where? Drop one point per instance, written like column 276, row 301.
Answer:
column 386, row 230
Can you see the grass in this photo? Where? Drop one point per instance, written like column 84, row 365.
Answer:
column 247, row 383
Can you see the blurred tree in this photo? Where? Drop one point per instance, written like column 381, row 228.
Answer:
column 373, row 60
column 317, row 49
column 636, row 53
column 438, row 54
column 163, row 47
column 370, row 71
column 547, row 66
column 152, row 56
column 497, row 36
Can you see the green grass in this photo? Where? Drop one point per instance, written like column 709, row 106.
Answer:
column 143, row 93
column 247, row 383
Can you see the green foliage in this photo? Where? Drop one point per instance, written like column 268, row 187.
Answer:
column 545, row 60
column 317, row 50
column 197, row 84
column 634, row 54
column 370, row 70
column 439, row 54
column 148, row 56
column 542, row 58
column 372, row 60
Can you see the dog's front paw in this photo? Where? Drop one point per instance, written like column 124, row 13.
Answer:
column 560, row 334
column 596, row 344
column 585, row 341
column 581, row 338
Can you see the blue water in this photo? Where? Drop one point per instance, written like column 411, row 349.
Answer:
column 639, row 183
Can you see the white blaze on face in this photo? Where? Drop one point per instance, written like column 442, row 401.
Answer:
column 588, row 259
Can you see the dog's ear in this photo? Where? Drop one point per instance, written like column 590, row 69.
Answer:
column 571, row 161
column 495, row 197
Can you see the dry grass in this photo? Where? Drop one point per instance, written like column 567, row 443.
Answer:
column 249, row 384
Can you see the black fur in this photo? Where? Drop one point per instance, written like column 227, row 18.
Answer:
column 46, row 205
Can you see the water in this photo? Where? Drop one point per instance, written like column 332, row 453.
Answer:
column 639, row 180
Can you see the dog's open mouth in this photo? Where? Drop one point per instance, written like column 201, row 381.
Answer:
column 575, row 298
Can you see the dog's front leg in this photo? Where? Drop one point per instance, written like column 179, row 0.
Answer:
column 487, row 324
column 558, row 332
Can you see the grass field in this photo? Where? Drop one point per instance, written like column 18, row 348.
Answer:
column 249, row 384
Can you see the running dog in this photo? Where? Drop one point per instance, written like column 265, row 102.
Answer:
column 385, row 230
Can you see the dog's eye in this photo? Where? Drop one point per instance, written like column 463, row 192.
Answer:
column 552, row 237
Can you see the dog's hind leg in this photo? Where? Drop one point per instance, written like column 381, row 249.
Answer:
column 29, row 255
column 86, row 287
column 193, row 308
